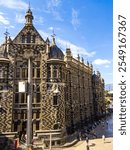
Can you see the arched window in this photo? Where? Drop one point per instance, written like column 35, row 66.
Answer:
column 55, row 100
column 55, row 71
column 60, row 72
column 23, row 38
column 28, row 37
column 55, row 126
column 33, row 39
column 48, row 72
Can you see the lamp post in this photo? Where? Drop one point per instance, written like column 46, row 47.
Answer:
column 28, row 55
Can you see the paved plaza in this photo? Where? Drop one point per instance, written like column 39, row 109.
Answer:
column 94, row 144
column 105, row 128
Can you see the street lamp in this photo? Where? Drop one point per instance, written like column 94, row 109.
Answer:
column 28, row 54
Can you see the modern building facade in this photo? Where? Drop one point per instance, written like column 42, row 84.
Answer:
column 65, row 89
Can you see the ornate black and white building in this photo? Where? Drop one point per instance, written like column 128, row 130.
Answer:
column 61, row 113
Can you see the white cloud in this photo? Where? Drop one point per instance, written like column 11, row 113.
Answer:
column 52, row 7
column 51, row 28
column 4, row 20
column 1, row 13
column 39, row 20
column 53, row 3
column 75, row 21
column 74, row 48
column 107, row 66
column 20, row 18
column 63, row 44
column 101, row 62
column 44, row 34
column 14, row 4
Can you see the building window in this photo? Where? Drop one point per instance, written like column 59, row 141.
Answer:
column 33, row 38
column 56, row 126
column 55, row 100
column 38, row 97
column 25, row 115
column 16, row 97
column 24, row 72
column 17, row 72
column 28, row 38
column 60, row 75
column 37, row 125
column 38, row 72
column 37, row 114
column 22, row 97
column 38, row 88
column 16, row 115
column 23, row 39
column 48, row 72
column 22, row 115
column 53, row 143
column 55, row 71
column 58, row 142
column 33, row 72
column 3, row 71
column 15, row 126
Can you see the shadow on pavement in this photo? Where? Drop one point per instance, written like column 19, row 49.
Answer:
column 108, row 142
column 92, row 145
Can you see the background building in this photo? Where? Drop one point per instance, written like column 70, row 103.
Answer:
column 65, row 90
column 98, row 96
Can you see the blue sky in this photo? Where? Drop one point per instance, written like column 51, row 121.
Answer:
column 84, row 26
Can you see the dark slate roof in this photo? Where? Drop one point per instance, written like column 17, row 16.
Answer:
column 56, row 53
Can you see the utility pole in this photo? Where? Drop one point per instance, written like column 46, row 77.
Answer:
column 29, row 105
column 28, row 54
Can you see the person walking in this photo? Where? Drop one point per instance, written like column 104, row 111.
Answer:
column 87, row 147
column 103, row 138
column 87, row 140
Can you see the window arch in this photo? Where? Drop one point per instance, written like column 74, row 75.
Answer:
column 56, row 126
column 23, row 38
column 55, row 71
column 29, row 37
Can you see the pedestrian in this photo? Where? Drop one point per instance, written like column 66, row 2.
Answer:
column 87, row 140
column 87, row 147
column 80, row 136
column 103, row 137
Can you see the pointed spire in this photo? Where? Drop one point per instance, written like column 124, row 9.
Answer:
column 68, row 51
column 6, row 35
column 5, row 45
column 53, row 38
column 29, row 16
column 9, row 40
column 82, row 60
column 47, row 41
column 87, row 63
column 78, row 57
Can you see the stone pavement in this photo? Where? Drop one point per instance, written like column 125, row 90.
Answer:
column 94, row 144
column 104, row 128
